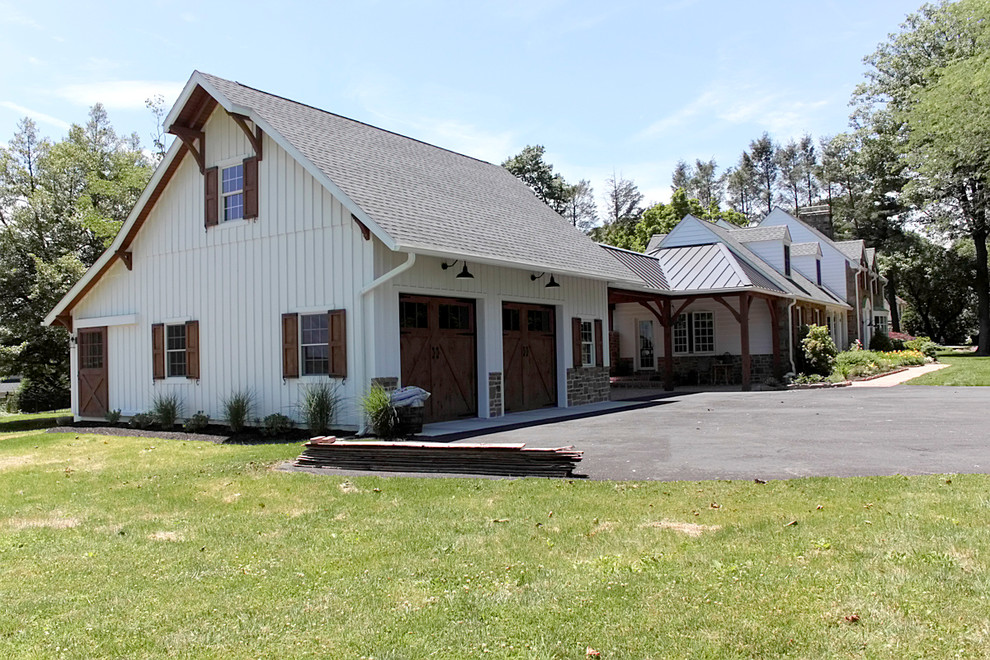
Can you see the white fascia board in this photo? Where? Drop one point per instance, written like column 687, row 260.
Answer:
column 308, row 165
column 173, row 114
column 99, row 321
column 118, row 240
column 503, row 263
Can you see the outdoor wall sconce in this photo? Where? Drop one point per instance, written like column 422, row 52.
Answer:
column 463, row 275
column 552, row 284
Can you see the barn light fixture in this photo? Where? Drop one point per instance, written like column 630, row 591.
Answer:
column 552, row 284
column 463, row 275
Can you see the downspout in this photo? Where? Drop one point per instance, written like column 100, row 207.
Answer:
column 369, row 323
column 790, row 334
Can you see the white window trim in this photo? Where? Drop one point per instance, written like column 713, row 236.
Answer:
column 690, row 330
column 221, row 196
column 302, row 353
column 591, row 344
column 168, row 368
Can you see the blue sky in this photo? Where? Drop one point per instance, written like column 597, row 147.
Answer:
column 629, row 87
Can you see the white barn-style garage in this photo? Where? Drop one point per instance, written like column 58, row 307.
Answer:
column 278, row 245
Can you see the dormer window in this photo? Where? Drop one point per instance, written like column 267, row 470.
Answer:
column 232, row 192
column 818, row 268
column 787, row 260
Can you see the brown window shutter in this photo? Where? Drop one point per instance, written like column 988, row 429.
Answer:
column 158, row 351
column 251, row 187
column 290, row 346
column 599, row 344
column 192, row 349
column 212, row 210
column 576, row 340
column 337, row 324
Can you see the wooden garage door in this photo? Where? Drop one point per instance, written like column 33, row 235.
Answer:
column 438, row 343
column 92, row 357
column 529, row 356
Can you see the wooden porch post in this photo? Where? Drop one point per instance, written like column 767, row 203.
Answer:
column 744, row 340
column 775, row 329
column 668, row 347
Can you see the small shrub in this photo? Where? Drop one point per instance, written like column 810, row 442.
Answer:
column 881, row 342
column 11, row 404
column 237, row 409
column 808, row 379
column 319, row 407
column 141, row 421
column 377, row 406
column 772, row 383
column 819, row 351
column 923, row 345
column 113, row 416
column 165, row 408
column 276, row 424
column 197, row 422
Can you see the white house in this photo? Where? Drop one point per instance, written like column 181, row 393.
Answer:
column 717, row 303
column 279, row 245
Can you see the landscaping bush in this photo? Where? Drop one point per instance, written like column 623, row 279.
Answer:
column 237, row 409
column 276, row 424
column 113, row 416
column 819, row 351
column 141, row 421
column 377, row 405
column 881, row 342
column 166, row 409
column 197, row 422
column 808, row 379
column 46, row 392
column 923, row 345
column 319, row 407
column 11, row 404
column 858, row 364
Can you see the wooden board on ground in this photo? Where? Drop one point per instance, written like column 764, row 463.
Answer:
column 437, row 457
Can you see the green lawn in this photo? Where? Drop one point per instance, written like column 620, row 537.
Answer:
column 965, row 369
column 131, row 547
column 27, row 422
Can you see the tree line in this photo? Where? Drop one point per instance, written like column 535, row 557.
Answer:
column 910, row 177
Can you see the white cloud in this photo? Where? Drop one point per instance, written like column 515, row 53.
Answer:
column 782, row 112
column 119, row 94
column 9, row 15
column 35, row 115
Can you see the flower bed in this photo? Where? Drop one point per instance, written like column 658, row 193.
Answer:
column 857, row 364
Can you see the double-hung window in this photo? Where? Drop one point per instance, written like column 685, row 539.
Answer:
column 232, row 192
column 176, row 365
column 694, row 333
column 314, row 344
column 587, row 343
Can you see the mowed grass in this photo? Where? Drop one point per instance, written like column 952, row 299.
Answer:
column 965, row 369
column 29, row 421
column 131, row 547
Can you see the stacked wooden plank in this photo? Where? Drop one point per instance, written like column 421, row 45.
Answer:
column 515, row 460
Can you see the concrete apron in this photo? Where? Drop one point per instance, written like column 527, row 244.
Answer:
column 899, row 377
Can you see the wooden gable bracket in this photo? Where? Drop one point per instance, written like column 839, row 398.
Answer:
column 364, row 229
column 64, row 320
column 254, row 137
column 189, row 136
column 655, row 312
column 674, row 315
column 127, row 257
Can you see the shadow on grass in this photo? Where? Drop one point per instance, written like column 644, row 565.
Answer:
column 32, row 423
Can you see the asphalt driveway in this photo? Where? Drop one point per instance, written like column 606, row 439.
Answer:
column 780, row 435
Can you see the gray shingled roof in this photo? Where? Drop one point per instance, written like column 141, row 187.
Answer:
column 770, row 233
column 654, row 243
column 427, row 198
column 852, row 249
column 805, row 249
column 645, row 267
column 871, row 255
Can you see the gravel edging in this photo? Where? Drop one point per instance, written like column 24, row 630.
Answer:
column 140, row 433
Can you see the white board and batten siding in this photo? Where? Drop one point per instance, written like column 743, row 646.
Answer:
column 491, row 286
column 302, row 254
column 833, row 261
